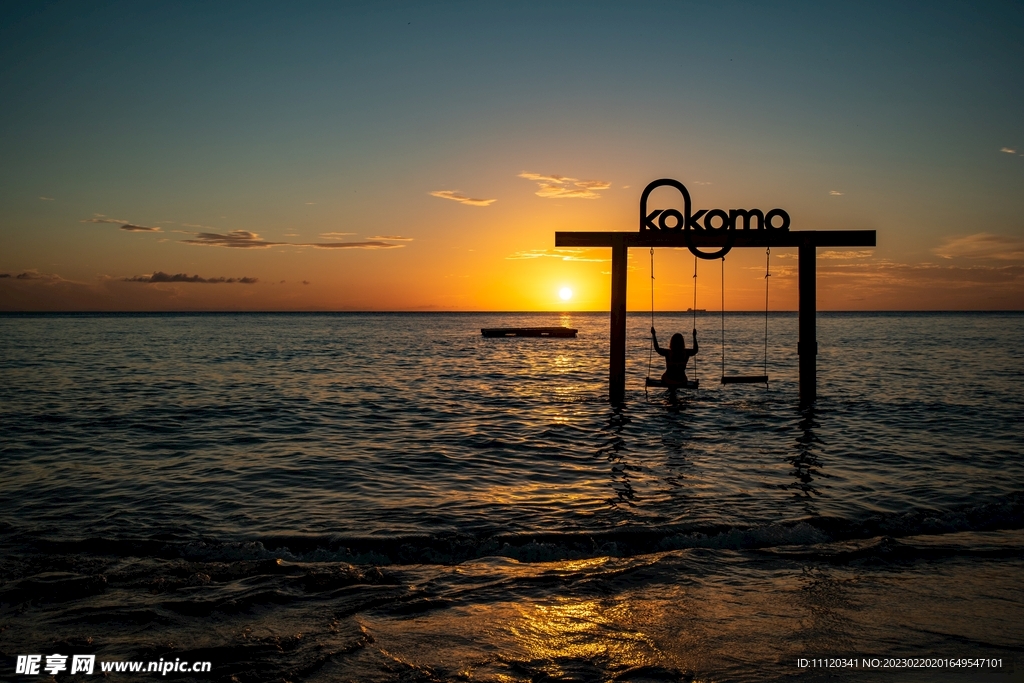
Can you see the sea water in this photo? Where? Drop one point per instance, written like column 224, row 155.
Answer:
column 393, row 497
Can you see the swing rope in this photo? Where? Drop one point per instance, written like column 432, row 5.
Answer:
column 696, row 373
column 650, row 354
column 749, row 379
column 767, row 274
column 723, row 316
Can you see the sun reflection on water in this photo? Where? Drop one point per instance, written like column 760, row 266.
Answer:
column 569, row 631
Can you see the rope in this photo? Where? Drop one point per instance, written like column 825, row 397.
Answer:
column 767, row 274
column 696, row 374
column 723, row 316
column 650, row 353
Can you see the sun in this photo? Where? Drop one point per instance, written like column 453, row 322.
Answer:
column 565, row 293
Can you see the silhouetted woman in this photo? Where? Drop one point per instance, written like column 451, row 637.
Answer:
column 676, row 356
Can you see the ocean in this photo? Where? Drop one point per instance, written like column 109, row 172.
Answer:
column 393, row 497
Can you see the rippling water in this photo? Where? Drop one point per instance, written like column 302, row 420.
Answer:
column 393, row 497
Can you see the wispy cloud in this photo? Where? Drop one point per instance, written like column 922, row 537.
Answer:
column 100, row 218
column 243, row 239
column 564, row 187
column 457, row 196
column 982, row 245
column 33, row 275
column 160, row 276
column 369, row 244
column 1007, row 150
column 47, row 199
column 841, row 255
column 836, row 193
column 235, row 239
column 124, row 225
column 560, row 254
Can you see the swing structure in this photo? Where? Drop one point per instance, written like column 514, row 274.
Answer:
column 667, row 383
column 748, row 379
column 726, row 379
column 687, row 233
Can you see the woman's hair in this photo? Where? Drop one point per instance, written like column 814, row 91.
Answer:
column 677, row 343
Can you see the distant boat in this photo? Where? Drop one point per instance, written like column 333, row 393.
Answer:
column 699, row 310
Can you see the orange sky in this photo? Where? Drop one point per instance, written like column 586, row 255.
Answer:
column 408, row 159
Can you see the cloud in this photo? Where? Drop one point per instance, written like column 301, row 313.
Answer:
column 235, row 239
column 125, row 225
column 982, row 245
column 243, row 239
column 47, row 199
column 564, row 187
column 836, row 193
column 839, row 255
column 456, row 196
column 560, row 254
column 369, row 244
column 161, row 276
column 1008, row 150
column 926, row 274
column 33, row 275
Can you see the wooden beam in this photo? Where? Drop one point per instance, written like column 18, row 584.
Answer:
column 704, row 238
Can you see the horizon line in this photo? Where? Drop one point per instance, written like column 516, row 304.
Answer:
column 480, row 312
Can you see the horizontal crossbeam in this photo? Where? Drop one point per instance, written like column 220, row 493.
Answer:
column 706, row 238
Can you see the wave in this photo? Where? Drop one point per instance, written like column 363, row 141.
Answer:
column 446, row 548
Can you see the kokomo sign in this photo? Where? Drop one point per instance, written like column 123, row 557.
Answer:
column 714, row 220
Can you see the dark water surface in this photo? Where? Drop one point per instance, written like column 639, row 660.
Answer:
column 374, row 497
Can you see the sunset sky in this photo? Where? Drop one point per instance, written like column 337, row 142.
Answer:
column 420, row 156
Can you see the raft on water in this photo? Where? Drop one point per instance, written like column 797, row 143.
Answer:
column 528, row 331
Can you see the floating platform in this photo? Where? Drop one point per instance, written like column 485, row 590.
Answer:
column 528, row 332
column 667, row 384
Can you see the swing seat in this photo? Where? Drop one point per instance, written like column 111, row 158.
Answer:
column 668, row 384
column 744, row 379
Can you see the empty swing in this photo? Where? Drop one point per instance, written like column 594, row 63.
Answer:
column 748, row 379
column 659, row 382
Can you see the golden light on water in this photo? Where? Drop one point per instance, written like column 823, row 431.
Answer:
column 566, row 630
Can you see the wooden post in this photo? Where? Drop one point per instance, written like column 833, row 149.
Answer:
column 617, row 355
column 807, row 344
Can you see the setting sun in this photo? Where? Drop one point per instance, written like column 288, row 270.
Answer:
column 565, row 293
